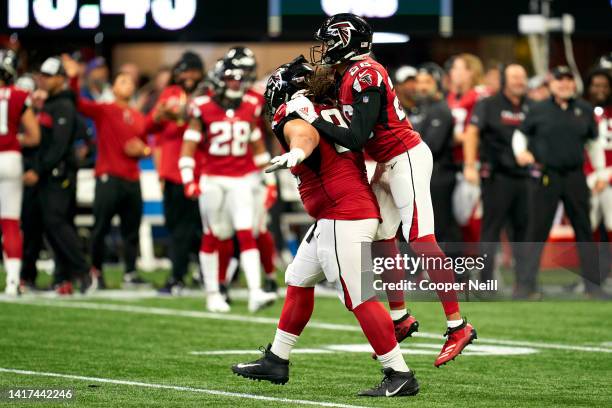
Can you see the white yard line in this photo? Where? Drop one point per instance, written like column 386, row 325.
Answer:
column 268, row 321
column 177, row 388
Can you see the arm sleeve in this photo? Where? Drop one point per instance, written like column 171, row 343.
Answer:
column 63, row 127
column 366, row 110
column 85, row 106
column 438, row 129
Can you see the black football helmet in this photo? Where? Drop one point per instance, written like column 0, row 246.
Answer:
column 8, row 65
column 223, row 79
column 244, row 58
column 344, row 37
column 286, row 81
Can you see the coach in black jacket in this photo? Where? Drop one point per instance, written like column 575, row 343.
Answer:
column 432, row 118
column 52, row 174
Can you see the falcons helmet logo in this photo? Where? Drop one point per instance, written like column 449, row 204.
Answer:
column 342, row 30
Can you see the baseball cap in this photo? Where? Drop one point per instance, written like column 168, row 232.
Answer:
column 562, row 71
column 52, row 66
column 404, row 73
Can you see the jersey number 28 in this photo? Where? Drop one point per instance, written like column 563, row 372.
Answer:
column 229, row 138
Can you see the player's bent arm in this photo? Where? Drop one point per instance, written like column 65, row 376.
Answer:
column 366, row 110
column 299, row 134
column 191, row 138
column 31, row 129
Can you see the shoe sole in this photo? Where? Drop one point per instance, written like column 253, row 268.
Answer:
column 473, row 336
column 273, row 380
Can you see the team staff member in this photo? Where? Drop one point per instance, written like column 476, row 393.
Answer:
column 504, row 182
column 167, row 120
column 553, row 137
column 434, row 121
column 121, row 144
column 53, row 173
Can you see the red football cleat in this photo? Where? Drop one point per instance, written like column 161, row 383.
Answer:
column 457, row 338
column 404, row 327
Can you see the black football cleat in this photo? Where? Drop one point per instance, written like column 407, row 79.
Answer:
column 270, row 367
column 394, row 384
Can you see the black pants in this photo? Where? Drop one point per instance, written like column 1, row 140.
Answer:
column 183, row 222
column 442, row 186
column 504, row 202
column 49, row 209
column 570, row 187
column 116, row 196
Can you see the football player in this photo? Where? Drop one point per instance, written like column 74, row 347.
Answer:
column 15, row 112
column 466, row 74
column 265, row 188
column 334, row 189
column 222, row 127
column 379, row 124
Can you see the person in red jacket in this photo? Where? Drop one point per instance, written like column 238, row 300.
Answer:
column 121, row 140
column 167, row 120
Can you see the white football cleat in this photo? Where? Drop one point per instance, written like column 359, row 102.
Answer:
column 258, row 299
column 11, row 290
column 216, row 304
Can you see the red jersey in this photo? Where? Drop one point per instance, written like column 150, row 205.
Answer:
column 603, row 117
column 169, row 135
column 228, row 133
column 332, row 181
column 393, row 134
column 13, row 102
column 115, row 125
column 462, row 107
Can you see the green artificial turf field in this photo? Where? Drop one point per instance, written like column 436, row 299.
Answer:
column 156, row 352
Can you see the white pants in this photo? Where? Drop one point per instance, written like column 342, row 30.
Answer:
column 601, row 208
column 409, row 200
column 332, row 249
column 11, row 185
column 226, row 204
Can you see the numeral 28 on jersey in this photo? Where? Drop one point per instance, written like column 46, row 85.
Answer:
column 229, row 138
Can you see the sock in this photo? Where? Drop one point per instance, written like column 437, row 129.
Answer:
column 209, row 259
column 297, row 309
column 283, row 344
column 394, row 360
column 428, row 247
column 249, row 259
column 267, row 252
column 377, row 326
column 13, row 268
column 226, row 251
column 387, row 248
column 454, row 323
column 397, row 314
column 12, row 241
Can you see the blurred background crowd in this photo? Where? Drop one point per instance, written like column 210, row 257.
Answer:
column 470, row 95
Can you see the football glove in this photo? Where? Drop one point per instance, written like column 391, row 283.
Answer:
column 287, row 160
column 303, row 107
column 192, row 190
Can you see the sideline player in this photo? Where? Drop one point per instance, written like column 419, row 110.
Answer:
column 335, row 191
column 221, row 127
column 15, row 111
column 379, row 124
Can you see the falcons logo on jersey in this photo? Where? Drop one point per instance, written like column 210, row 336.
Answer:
column 366, row 77
column 342, row 30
